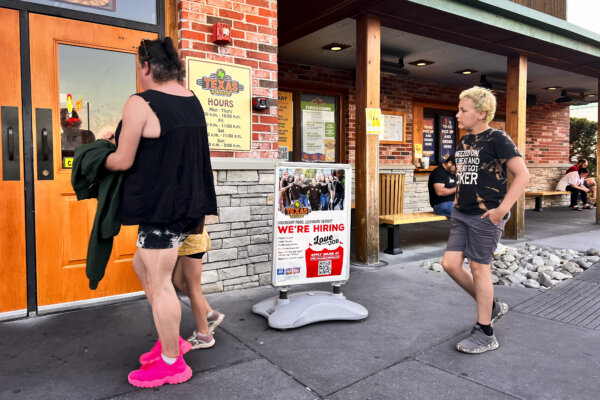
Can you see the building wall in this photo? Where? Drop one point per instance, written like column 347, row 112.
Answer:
column 242, row 234
column 547, row 137
column 254, row 44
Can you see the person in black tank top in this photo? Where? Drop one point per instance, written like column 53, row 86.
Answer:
column 168, row 189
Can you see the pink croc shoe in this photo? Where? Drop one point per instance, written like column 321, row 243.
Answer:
column 154, row 353
column 158, row 372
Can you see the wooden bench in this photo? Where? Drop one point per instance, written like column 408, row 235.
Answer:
column 540, row 194
column 391, row 204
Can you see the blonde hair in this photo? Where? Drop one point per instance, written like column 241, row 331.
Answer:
column 483, row 99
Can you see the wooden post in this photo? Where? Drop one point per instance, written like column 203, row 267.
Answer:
column 598, row 163
column 516, row 94
column 171, row 19
column 368, row 53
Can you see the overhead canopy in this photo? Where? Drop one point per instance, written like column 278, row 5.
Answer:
column 473, row 34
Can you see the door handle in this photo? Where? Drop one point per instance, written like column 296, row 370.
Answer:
column 45, row 159
column 45, row 144
column 11, row 159
column 11, row 143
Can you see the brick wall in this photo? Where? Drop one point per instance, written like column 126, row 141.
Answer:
column 254, row 44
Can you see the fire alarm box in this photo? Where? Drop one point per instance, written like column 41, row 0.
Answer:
column 260, row 103
column 221, row 33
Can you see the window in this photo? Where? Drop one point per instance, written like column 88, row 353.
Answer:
column 309, row 126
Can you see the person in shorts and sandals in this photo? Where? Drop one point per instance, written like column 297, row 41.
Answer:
column 168, row 189
column 187, row 277
column 589, row 183
column 483, row 157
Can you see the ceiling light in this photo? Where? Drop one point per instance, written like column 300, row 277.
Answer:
column 552, row 87
column 421, row 63
column 466, row 72
column 590, row 95
column 563, row 97
column 335, row 47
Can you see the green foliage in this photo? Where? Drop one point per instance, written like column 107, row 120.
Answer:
column 583, row 141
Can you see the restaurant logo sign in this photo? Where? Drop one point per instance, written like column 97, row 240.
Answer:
column 296, row 210
column 220, row 84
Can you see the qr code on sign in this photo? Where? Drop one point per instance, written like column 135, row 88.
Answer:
column 283, row 153
column 325, row 267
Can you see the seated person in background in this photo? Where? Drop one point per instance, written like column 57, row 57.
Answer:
column 442, row 187
column 589, row 183
column 573, row 182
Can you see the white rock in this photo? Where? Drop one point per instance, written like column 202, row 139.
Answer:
column 437, row 267
column 537, row 261
column 559, row 276
column 545, row 280
column 554, row 258
column 515, row 278
column 545, row 268
column 494, row 278
column 533, row 275
column 531, row 283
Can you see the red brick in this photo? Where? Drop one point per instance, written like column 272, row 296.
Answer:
column 231, row 14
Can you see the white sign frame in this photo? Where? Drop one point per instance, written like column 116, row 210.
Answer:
column 290, row 247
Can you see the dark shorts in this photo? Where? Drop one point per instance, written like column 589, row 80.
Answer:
column 197, row 256
column 166, row 236
column 476, row 237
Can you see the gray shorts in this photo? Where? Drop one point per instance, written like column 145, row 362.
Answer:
column 477, row 238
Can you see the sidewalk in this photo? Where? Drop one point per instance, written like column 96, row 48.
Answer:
column 549, row 342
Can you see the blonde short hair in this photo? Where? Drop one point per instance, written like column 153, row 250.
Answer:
column 483, row 99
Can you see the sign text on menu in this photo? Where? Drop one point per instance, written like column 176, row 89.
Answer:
column 447, row 137
column 225, row 92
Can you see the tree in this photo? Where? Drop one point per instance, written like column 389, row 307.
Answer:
column 583, row 141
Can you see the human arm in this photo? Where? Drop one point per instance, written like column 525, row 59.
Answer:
column 517, row 167
column 135, row 114
column 441, row 189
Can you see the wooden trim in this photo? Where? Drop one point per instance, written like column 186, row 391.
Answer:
column 403, row 114
column 368, row 88
column 171, row 29
column 516, row 112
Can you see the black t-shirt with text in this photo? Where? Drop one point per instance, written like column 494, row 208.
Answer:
column 440, row 175
column 481, row 170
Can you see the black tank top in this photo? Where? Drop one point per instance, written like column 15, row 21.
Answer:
column 171, row 177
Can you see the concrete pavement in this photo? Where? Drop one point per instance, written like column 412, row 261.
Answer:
column 549, row 341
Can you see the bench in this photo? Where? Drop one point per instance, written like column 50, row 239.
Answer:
column 391, row 204
column 540, row 194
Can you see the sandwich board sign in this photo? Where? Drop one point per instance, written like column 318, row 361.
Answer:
column 311, row 243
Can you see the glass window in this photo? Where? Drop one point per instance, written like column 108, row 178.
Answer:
column 94, row 85
column 319, row 128
column 138, row 10
column 439, row 135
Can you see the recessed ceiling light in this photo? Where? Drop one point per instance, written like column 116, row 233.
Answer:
column 466, row 72
column 552, row 87
column 590, row 95
column 335, row 47
column 421, row 63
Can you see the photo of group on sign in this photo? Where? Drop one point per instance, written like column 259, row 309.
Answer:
column 311, row 189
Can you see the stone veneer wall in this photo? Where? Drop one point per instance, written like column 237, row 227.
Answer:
column 242, row 234
column 545, row 177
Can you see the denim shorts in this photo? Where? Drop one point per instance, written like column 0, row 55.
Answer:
column 476, row 237
column 166, row 236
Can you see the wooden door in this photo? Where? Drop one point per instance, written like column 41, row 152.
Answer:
column 82, row 75
column 13, row 275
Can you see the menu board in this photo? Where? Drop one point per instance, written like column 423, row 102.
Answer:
column 429, row 138
column 447, row 138
column 225, row 92
column 393, row 128
column 285, row 113
column 318, row 128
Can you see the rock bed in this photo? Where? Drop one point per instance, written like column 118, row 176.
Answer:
column 531, row 266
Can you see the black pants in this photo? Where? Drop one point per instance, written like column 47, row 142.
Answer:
column 575, row 193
